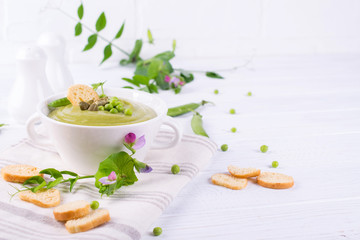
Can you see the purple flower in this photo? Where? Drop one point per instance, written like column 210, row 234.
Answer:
column 139, row 143
column 142, row 167
column 175, row 81
column 132, row 143
column 147, row 169
column 130, row 138
column 111, row 179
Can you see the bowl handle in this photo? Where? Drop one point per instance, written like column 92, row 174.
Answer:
column 176, row 136
column 33, row 134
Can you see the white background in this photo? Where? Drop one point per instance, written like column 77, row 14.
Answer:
column 202, row 28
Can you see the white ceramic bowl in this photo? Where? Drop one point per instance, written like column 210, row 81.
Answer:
column 82, row 148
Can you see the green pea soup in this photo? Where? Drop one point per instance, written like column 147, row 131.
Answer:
column 74, row 115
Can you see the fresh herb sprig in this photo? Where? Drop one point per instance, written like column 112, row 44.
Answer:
column 154, row 70
column 35, row 183
column 115, row 171
column 95, row 86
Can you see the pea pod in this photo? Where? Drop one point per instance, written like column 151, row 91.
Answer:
column 180, row 110
column 197, row 125
column 59, row 102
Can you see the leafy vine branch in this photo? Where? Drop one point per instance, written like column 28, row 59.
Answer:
column 150, row 74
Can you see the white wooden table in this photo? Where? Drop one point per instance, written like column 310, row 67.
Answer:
column 306, row 109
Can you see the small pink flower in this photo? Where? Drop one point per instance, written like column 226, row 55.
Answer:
column 111, row 179
column 112, row 176
column 130, row 138
column 167, row 78
column 182, row 83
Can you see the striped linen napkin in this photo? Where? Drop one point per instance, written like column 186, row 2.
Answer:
column 132, row 209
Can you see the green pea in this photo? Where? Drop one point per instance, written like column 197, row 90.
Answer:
column 128, row 111
column 109, row 106
column 115, row 102
column 249, row 94
column 94, row 205
column 232, row 111
column 175, row 169
column 264, row 148
column 216, row 91
column 275, row 164
column 233, row 129
column 114, row 110
column 120, row 108
column 157, row 231
column 224, row 147
column 101, row 108
column 114, row 98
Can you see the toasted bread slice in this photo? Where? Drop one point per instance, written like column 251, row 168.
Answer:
column 81, row 93
column 19, row 173
column 243, row 172
column 228, row 181
column 275, row 180
column 45, row 198
column 71, row 210
column 94, row 219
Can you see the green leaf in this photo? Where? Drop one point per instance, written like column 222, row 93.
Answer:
column 141, row 79
column 150, row 37
column 72, row 182
column 167, row 68
column 166, row 56
column 52, row 172
column 40, row 186
column 177, row 90
column 101, row 22
column 124, row 62
column 153, row 88
column 78, row 29
column 129, row 87
column 154, row 68
column 123, row 165
column 141, row 68
column 213, row 75
column 35, row 180
column 80, row 11
column 174, row 45
column 107, row 53
column 69, row 173
column 145, row 89
column 131, row 81
column 2, row 124
column 91, row 42
column 119, row 33
column 188, row 77
column 95, row 86
column 54, row 183
column 160, row 81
